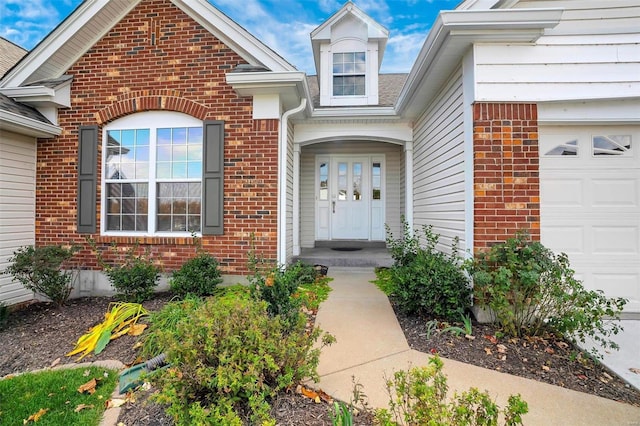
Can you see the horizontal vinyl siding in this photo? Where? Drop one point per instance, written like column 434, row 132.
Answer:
column 439, row 169
column 394, row 194
column 17, row 207
column 593, row 53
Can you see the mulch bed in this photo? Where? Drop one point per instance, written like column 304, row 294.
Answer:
column 40, row 335
column 549, row 359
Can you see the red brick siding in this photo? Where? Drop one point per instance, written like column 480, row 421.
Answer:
column 184, row 70
column 506, row 172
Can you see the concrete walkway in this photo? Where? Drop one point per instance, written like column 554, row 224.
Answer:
column 371, row 344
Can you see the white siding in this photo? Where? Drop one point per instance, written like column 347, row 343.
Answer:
column 439, row 168
column 17, row 207
column 593, row 53
column 394, row 194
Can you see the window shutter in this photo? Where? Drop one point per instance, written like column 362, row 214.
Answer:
column 212, row 178
column 87, row 178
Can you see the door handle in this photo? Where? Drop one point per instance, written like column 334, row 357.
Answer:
column 333, row 206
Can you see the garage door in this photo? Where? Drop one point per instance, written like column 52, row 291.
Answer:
column 590, row 204
column 17, row 207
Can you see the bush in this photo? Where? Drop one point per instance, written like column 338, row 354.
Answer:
column 40, row 269
column 279, row 288
column 231, row 357
column 166, row 320
column 134, row 277
column 198, row 276
column 532, row 290
column 425, row 280
column 418, row 397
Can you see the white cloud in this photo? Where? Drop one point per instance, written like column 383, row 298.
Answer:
column 26, row 22
column 402, row 51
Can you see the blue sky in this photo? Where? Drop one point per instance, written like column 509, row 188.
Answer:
column 284, row 25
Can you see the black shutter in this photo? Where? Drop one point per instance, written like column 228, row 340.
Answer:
column 212, row 178
column 87, row 178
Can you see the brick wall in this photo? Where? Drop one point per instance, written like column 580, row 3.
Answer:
column 157, row 58
column 506, row 172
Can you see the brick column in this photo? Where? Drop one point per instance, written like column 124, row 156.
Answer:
column 505, row 172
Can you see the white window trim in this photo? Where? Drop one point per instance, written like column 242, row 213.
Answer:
column 144, row 120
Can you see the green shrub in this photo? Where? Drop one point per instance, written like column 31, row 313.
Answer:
column 232, row 357
column 166, row 320
column 280, row 288
column 134, row 277
column 532, row 290
column 424, row 279
column 419, row 397
column 40, row 269
column 198, row 276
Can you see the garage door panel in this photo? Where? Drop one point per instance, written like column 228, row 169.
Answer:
column 614, row 192
column 562, row 192
column 564, row 238
column 590, row 204
column 615, row 240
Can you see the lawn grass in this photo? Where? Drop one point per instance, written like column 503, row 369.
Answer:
column 57, row 392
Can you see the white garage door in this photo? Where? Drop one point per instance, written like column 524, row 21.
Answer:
column 590, row 204
column 17, row 207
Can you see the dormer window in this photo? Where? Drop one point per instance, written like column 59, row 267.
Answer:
column 349, row 74
column 347, row 51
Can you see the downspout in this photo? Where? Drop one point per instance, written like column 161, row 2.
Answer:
column 282, row 181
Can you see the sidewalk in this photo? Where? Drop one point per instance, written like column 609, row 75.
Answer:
column 371, row 344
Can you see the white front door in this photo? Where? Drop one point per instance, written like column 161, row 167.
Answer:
column 350, row 198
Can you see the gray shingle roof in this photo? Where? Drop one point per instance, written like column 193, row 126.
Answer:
column 389, row 86
column 10, row 54
column 9, row 105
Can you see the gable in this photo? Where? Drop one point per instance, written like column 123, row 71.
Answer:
column 94, row 18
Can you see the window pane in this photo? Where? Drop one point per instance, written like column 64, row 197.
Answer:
column 194, row 170
column 128, row 138
column 179, row 136
column 179, row 170
column 567, row 148
column 324, row 182
column 611, row 145
column 126, row 202
column 164, row 136
column 376, row 181
column 342, row 181
column 195, row 136
column 357, row 181
column 179, row 206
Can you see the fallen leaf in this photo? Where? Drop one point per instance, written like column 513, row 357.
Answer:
column 89, row 387
column 502, row 357
column 55, row 362
column 469, row 337
column 635, row 370
column 608, row 377
column 325, row 397
column 51, row 394
column 488, row 351
column 546, row 368
column 137, row 329
column 86, row 373
column 582, row 377
column 309, row 393
column 81, row 407
column 114, row 403
column 603, row 380
column 490, row 338
column 502, row 349
column 562, row 345
column 36, row 417
column 137, row 345
column 549, row 350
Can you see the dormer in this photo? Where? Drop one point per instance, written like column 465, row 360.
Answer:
column 348, row 50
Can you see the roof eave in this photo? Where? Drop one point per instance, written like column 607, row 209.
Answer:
column 291, row 86
column 17, row 123
column 453, row 33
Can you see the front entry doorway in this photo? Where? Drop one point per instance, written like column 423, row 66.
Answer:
column 350, row 203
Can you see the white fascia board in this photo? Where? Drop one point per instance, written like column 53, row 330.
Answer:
column 233, row 35
column 61, row 35
column 354, row 112
column 290, row 86
column 39, row 95
column 17, row 123
column 453, row 33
